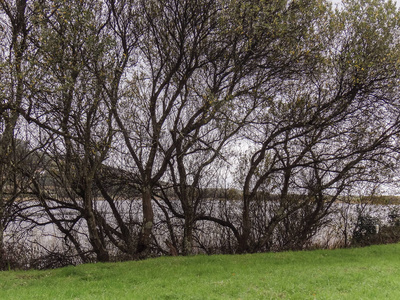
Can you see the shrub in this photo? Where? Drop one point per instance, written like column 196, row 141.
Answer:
column 365, row 231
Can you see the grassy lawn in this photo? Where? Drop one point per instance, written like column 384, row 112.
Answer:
column 365, row 273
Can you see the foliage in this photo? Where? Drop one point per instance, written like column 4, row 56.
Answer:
column 367, row 227
column 394, row 217
column 369, row 231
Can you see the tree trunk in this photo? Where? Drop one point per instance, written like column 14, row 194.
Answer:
column 95, row 239
column 243, row 241
column 2, row 256
column 148, row 219
column 6, row 141
column 188, row 234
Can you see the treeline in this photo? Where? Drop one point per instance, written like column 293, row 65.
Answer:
column 175, row 101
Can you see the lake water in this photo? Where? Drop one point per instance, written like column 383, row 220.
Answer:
column 35, row 232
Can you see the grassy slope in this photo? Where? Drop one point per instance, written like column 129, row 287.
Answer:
column 367, row 273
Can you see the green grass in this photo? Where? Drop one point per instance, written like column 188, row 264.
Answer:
column 364, row 273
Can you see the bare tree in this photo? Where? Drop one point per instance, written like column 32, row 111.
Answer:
column 158, row 112
column 328, row 130
column 71, row 111
column 14, row 24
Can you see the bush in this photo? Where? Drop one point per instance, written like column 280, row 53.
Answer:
column 388, row 235
column 365, row 231
column 394, row 218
